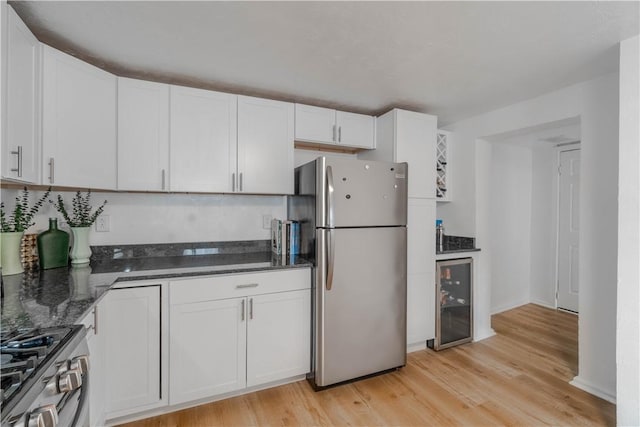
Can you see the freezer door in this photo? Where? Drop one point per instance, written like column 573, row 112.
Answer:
column 360, row 303
column 359, row 193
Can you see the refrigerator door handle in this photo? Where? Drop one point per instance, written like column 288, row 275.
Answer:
column 329, row 202
column 331, row 247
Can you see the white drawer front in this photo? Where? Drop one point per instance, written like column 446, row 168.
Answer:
column 237, row 285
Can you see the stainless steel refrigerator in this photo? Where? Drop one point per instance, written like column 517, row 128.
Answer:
column 353, row 217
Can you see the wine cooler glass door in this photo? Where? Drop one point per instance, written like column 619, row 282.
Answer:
column 454, row 321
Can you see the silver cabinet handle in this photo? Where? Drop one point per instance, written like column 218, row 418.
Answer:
column 329, row 201
column 250, row 308
column 19, row 154
column 339, row 133
column 233, row 181
column 240, row 189
column 242, row 311
column 95, row 320
column 331, row 246
column 334, row 133
column 51, row 170
column 164, row 176
column 248, row 285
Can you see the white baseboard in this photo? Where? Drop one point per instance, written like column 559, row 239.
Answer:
column 507, row 307
column 592, row 389
column 421, row 345
column 483, row 335
column 543, row 303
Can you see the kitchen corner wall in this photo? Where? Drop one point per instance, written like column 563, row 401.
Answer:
column 169, row 218
column 595, row 102
column 628, row 330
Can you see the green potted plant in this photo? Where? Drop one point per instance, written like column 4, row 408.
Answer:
column 12, row 229
column 79, row 221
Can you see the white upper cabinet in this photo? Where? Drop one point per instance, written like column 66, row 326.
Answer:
column 326, row 126
column 407, row 136
column 20, row 147
column 143, row 135
column 265, row 146
column 202, row 152
column 355, row 130
column 416, row 140
column 78, row 123
column 315, row 124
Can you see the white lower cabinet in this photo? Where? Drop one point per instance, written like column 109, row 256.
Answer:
column 278, row 336
column 132, row 322
column 230, row 332
column 208, row 348
column 96, row 372
column 420, row 270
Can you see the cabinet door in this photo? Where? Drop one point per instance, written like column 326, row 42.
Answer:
column 21, row 141
column 78, row 123
column 278, row 336
column 95, row 341
column 202, row 146
column 131, row 322
column 416, row 144
column 143, row 135
column 265, row 146
column 355, row 130
column 207, row 354
column 315, row 124
column 420, row 270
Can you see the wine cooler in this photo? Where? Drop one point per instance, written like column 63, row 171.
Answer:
column 454, row 303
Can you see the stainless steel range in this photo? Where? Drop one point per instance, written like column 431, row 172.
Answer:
column 45, row 377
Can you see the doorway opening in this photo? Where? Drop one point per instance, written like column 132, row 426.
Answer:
column 524, row 220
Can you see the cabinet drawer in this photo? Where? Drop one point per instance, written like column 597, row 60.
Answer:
column 238, row 285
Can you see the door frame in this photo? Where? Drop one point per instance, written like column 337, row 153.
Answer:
column 560, row 148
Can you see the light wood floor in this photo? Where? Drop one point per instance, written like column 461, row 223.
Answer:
column 517, row 378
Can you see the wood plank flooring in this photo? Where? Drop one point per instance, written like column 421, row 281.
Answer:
column 517, row 378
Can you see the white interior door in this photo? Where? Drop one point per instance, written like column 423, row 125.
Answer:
column 569, row 230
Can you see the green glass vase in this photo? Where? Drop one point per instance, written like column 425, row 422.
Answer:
column 53, row 247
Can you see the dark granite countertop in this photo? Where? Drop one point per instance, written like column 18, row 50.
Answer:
column 457, row 244
column 455, row 251
column 65, row 295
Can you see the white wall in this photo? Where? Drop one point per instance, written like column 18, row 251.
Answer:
column 544, row 204
column 171, row 218
column 598, row 239
column 596, row 103
column 510, row 225
column 628, row 319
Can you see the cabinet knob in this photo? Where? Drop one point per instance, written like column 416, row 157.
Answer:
column 80, row 363
column 69, row 380
column 44, row 416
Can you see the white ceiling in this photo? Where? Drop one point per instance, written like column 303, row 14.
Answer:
column 452, row 59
